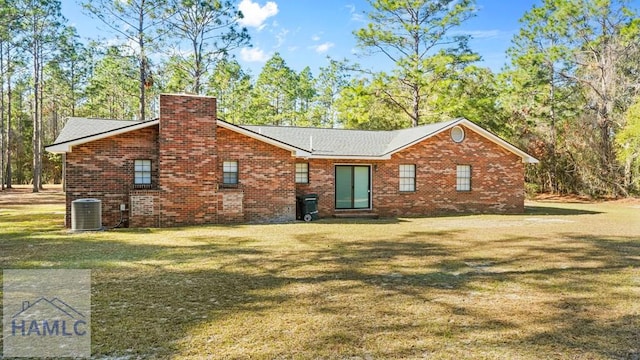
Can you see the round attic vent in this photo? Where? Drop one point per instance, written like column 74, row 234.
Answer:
column 457, row 134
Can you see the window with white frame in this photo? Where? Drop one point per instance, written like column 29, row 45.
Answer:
column 230, row 173
column 142, row 172
column 463, row 178
column 408, row 177
column 302, row 173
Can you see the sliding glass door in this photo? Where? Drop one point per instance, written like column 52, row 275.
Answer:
column 353, row 187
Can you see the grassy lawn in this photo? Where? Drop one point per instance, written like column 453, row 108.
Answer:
column 561, row 281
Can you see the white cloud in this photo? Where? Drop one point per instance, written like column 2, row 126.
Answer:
column 484, row 34
column 281, row 36
column 315, row 38
column 355, row 16
column 129, row 47
column 323, row 48
column 358, row 18
column 253, row 55
column 254, row 14
column 478, row 34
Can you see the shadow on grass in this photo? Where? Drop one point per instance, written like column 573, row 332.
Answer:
column 220, row 295
column 558, row 211
column 577, row 329
column 356, row 221
column 184, row 300
column 150, row 299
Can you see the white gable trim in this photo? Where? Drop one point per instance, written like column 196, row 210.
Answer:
column 350, row 157
column 526, row 158
column 67, row 146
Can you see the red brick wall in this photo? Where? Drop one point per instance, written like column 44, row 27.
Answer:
column 497, row 183
column 104, row 169
column 266, row 176
column 187, row 151
column 497, row 178
column 188, row 160
column 144, row 208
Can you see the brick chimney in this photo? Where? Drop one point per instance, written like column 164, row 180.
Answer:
column 187, row 168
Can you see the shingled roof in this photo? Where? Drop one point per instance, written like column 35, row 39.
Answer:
column 305, row 142
column 347, row 143
column 83, row 130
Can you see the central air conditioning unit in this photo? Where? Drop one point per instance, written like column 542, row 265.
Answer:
column 86, row 215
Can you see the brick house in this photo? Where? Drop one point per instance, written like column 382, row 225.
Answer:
column 188, row 167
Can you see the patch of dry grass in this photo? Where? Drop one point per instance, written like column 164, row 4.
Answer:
column 561, row 281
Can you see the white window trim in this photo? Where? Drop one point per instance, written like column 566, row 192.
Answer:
column 402, row 187
column 304, row 173
column 142, row 174
column 225, row 167
column 464, row 174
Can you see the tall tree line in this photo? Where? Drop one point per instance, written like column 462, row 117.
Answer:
column 573, row 79
column 569, row 94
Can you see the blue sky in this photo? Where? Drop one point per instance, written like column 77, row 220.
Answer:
column 305, row 32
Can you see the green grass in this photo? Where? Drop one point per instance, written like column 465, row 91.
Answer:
column 561, row 281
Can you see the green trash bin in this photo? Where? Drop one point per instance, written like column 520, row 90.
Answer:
column 309, row 207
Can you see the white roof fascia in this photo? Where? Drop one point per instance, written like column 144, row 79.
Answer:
column 526, row 158
column 297, row 152
column 352, row 157
column 66, row 146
